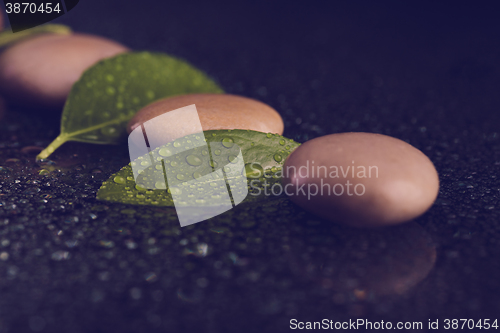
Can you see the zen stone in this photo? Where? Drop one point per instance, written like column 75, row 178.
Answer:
column 361, row 179
column 216, row 111
column 40, row 71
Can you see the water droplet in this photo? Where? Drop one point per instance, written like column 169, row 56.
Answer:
column 193, row 160
column 173, row 163
column 282, row 142
column 217, row 152
column 174, row 190
column 140, row 188
column 160, row 185
column 130, row 178
column 110, row 78
column 159, row 167
column 269, row 135
column 213, row 184
column 165, row 152
column 227, row 169
column 119, row 105
column 110, row 131
column 180, row 176
column 278, row 158
column 150, row 94
column 196, row 175
column 44, row 172
column 253, row 170
column 213, row 164
column 110, row 90
column 232, row 158
column 287, row 147
column 204, row 152
column 144, row 163
column 228, row 142
column 177, row 144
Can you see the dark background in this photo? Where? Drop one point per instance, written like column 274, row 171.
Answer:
column 428, row 74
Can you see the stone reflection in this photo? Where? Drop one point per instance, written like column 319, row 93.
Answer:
column 364, row 263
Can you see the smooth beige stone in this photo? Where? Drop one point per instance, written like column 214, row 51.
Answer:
column 392, row 182
column 216, row 111
column 40, row 71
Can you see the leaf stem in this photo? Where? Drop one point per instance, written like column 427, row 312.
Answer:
column 62, row 138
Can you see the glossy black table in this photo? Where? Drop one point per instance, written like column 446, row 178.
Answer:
column 428, row 75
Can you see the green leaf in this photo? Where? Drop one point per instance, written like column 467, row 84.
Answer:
column 267, row 151
column 109, row 93
column 8, row 38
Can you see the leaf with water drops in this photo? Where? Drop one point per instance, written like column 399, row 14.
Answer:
column 263, row 156
column 109, row 93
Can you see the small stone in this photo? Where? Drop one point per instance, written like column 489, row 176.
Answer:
column 40, row 71
column 361, row 179
column 216, row 111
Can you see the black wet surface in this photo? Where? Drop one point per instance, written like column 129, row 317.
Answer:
column 428, row 75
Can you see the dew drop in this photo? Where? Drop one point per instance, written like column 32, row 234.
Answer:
column 196, row 175
column 282, row 142
column 165, row 152
column 269, row 135
column 228, row 142
column 173, row 163
column 253, row 170
column 144, row 163
column 119, row 180
column 217, row 152
column 204, row 152
column 213, row 164
column 160, row 185
column 177, row 144
column 193, row 160
column 278, row 158
column 232, row 158
column 180, row 176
